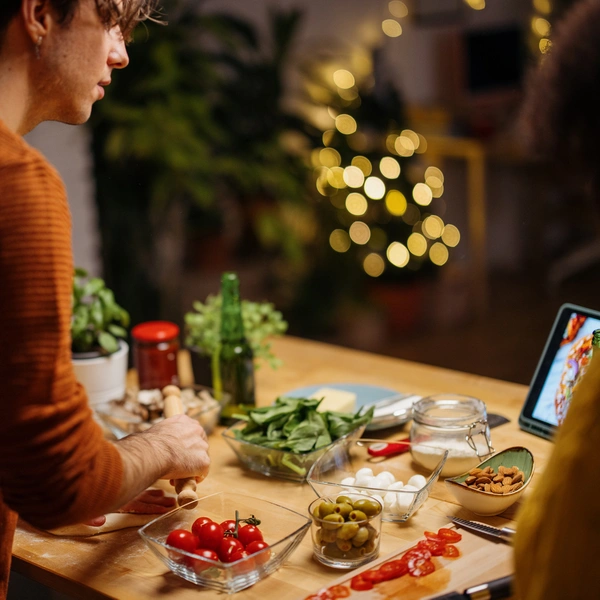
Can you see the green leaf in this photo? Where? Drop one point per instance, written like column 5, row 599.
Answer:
column 117, row 331
column 93, row 286
column 108, row 342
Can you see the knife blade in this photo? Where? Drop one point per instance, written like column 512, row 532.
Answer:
column 505, row 534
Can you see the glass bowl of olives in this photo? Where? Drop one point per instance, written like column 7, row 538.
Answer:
column 346, row 531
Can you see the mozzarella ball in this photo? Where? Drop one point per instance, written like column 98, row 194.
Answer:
column 418, row 481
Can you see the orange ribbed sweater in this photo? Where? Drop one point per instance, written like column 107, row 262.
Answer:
column 55, row 466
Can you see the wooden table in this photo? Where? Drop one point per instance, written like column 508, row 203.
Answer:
column 118, row 565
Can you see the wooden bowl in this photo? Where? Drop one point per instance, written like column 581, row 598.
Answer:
column 488, row 503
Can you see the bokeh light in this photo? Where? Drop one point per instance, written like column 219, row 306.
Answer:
column 391, row 28
column 540, row 26
column 395, row 202
column 545, row 45
column 417, row 244
column 345, row 124
column 373, row 265
column 356, row 204
column 476, row 4
column 422, row 144
column 398, row 9
column 433, row 227
column 335, row 178
column 543, row 6
column 339, row 240
column 422, row 194
column 389, row 167
column 353, row 177
column 360, row 233
column 451, row 236
column 398, row 254
column 374, row 188
column 404, row 146
column 330, row 157
column 364, row 164
column 390, row 142
column 328, row 137
column 438, row 254
column 343, row 79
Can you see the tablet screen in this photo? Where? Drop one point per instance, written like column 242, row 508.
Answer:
column 565, row 358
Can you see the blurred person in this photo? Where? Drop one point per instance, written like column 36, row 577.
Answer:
column 56, row 468
column 557, row 546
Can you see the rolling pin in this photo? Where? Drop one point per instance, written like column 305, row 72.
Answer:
column 185, row 488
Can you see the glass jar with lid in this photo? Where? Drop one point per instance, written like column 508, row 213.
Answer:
column 155, row 348
column 450, row 422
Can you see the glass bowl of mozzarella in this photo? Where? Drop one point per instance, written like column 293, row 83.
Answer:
column 383, row 470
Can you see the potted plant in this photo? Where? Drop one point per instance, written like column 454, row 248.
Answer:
column 98, row 328
column 203, row 334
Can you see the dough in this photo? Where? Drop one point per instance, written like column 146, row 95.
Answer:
column 114, row 521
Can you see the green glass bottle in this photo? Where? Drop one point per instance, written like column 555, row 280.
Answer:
column 235, row 364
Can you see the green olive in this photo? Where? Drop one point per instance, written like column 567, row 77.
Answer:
column 357, row 515
column 343, row 545
column 332, row 521
column 372, row 531
column 347, row 531
column 344, row 499
column 369, row 546
column 368, row 506
column 328, row 536
column 362, row 535
column 332, row 551
column 343, row 508
column 326, row 508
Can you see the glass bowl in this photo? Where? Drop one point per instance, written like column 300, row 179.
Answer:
column 279, row 463
column 343, row 535
column 140, row 409
column 355, row 467
column 283, row 529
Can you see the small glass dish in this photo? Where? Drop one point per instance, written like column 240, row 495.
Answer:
column 283, row 529
column 140, row 409
column 343, row 535
column 279, row 463
column 362, row 467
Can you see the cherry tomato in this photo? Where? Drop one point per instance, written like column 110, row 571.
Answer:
column 210, row 535
column 227, row 546
column 372, row 575
column 417, row 552
column 339, row 591
column 451, row 551
column 228, row 525
column 257, row 546
column 436, row 548
column 419, row 567
column 182, row 539
column 449, row 535
column 393, row 569
column 198, row 523
column 200, row 565
column 360, row 584
column 249, row 533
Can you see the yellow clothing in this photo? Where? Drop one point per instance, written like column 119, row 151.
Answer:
column 557, row 546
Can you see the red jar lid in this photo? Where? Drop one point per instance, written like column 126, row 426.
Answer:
column 155, row 331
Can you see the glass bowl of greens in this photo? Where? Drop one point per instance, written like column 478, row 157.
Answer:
column 285, row 439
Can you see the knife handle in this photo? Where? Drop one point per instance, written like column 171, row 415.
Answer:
column 492, row 590
column 389, row 448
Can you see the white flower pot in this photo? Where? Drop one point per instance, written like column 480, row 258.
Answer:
column 103, row 377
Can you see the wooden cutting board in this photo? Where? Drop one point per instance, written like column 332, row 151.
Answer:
column 481, row 559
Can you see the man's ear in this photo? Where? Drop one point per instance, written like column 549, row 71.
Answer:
column 36, row 15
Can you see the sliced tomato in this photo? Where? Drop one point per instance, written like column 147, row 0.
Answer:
column 419, row 567
column 451, row 551
column 372, row 575
column 436, row 548
column 360, row 584
column 417, row 552
column 434, row 537
column 393, row 569
column 339, row 591
column 449, row 535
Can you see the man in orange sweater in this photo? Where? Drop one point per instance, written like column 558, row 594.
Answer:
column 56, row 56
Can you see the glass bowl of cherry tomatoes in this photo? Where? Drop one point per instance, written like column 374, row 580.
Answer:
column 226, row 541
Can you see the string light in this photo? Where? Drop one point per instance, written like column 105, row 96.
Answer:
column 364, row 164
column 398, row 254
column 374, row 188
column 391, row 28
column 422, row 194
column 417, row 244
column 373, row 265
column 389, row 167
column 396, row 203
column 451, row 236
column 330, row 157
column 438, row 254
column 433, row 227
column 335, row 178
column 353, row 177
column 356, row 204
column 343, row 79
column 360, row 233
column 345, row 124
column 398, row 9
column 339, row 240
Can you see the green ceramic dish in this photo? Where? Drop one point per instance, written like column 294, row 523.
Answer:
column 488, row 503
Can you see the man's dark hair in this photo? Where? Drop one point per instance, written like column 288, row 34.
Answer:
column 126, row 15
column 561, row 105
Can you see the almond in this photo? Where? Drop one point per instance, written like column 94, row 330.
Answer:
column 516, row 486
column 475, row 471
column 518, row 477
column 506, row 489
column 483, row 479
column 507, row 481
column 496, row 488
column 471, row 479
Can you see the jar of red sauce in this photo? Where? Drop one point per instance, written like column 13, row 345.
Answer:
column 155, row 347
